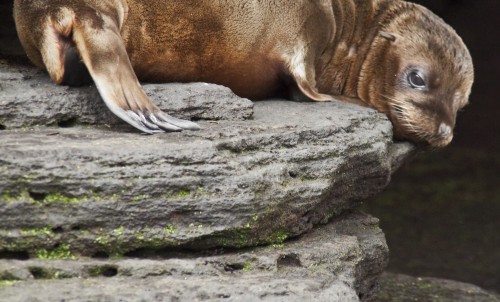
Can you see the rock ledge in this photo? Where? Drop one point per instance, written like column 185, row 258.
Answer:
column 325, row 265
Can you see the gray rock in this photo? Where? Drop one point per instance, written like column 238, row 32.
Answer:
column 403, row 288
column 233, row 184
column 91, row 190
column 29, row 98
column 329, row 264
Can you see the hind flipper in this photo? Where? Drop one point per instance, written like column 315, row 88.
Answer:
column 103, row 52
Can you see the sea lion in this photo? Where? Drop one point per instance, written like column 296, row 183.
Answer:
column 391, row 55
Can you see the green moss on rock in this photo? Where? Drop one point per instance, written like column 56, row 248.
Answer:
column 10, row 197
column 179, row 195
column 7, row 283
column 46, row 231
column 61, row 252
column 106, row 270
column 58, row 197
column 40, row 272
column 170, row 229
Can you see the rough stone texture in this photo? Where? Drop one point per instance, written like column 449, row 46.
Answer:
column 100, row 191
column 324, row 265
column 403, row 288
column 233, row 184
column 29, row 98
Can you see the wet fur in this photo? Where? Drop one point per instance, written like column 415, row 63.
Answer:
column 327, row 48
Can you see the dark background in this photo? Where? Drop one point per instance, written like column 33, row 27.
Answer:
column 441, row 213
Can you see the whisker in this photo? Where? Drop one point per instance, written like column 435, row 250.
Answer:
column 401, row 110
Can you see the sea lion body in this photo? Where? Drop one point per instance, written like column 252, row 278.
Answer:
column 369, row 50
column 197, row 46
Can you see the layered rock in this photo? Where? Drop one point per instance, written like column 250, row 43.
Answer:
column 233, row 184
column 325, row 265
column 257, row 174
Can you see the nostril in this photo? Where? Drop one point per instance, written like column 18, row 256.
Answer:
column 444, row 130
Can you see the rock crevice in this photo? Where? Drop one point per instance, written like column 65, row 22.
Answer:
column 291, row 272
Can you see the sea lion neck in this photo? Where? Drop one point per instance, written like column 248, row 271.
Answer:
column 375, row 56
column 381, row 10
column 351, row 44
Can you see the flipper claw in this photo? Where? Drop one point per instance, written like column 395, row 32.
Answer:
column 184, row 124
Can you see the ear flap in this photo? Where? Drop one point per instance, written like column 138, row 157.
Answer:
column 305, row 76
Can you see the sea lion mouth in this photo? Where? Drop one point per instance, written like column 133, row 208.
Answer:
column 433, row 138
column 409, row 130
column 442, row 136
column 411, row 123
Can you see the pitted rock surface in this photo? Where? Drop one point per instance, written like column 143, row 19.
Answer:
column 233, row 184
column 326, row 265
column 257, row 174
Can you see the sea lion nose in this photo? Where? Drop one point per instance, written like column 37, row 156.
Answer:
column 444, row 130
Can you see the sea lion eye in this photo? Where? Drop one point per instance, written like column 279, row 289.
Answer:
column 416, row 81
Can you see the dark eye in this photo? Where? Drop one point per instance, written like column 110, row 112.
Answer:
column 416, row 81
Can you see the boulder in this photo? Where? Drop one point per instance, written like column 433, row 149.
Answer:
column 402, row 288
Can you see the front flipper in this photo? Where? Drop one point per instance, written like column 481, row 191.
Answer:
column 304, row 76
column 126, row 99
column 103, row 52
column 302, row 70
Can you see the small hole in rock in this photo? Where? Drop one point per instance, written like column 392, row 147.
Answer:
column 109, row 272
column 231, row 267
column 103, row 271
column 67, row 123
column 100, row 255
column 289, row 260
column 292, row 174
column 57, row 230
column 76, row 228
column 40, row 272
column 38, row 196
column 14, row 255
column 138, row 253
column 2, row 127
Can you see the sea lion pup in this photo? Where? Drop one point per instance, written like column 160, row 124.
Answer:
column 391, row 55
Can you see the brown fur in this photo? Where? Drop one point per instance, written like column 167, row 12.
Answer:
column 329, row 48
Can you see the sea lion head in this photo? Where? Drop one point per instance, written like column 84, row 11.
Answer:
column 419, row 72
